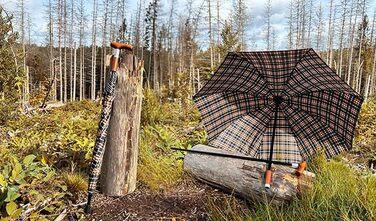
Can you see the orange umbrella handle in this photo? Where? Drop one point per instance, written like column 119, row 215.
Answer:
column 117, row 46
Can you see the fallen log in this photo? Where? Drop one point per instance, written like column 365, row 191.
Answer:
column 246, row 178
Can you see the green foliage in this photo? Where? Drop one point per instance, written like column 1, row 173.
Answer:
column 230, row 41
column 11, row 75
column 61, row 139
column 159, row 167
column 163, row 127
column 228, row 208
column 338, row 193
column 162, row 111
column 62, row 136
column 365, row 135
column 28, row 182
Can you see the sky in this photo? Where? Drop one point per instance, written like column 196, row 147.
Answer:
column 255, row 31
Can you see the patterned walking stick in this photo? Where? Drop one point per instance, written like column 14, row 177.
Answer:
column 99, row 146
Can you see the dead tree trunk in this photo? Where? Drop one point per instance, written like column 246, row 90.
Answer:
column 120, row 158
column 245, row 178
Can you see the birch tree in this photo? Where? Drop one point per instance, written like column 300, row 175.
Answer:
column 329, row 54
column 82, row 52
column 51, row 49
column 210, row 37
column 64, row 5
column 372, row 87
column 93, row 51
column 344, row 12
column 290, row 23
column 60, row 27
column 268, row 14
column 352, row 37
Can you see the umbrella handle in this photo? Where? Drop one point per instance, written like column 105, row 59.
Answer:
column 302, row 166
column 268, row 178
column 117, row 46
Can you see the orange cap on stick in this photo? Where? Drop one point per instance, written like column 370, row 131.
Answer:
column 300, row 170
column 268, row 178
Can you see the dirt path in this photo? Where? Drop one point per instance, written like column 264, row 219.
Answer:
column 187, row 202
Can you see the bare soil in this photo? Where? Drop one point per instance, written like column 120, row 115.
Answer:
column 186, row 202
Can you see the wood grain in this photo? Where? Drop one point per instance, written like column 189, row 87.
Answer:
column 119, row 168
column 245, row 178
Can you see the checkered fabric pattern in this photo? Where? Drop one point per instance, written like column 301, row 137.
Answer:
column 318, row 111
column 100, row 142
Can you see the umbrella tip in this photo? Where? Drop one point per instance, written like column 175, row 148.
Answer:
column 87, row 209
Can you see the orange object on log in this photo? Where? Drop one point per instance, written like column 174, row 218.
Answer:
column 268, row 178
column 302, row 166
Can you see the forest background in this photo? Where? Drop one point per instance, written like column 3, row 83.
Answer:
column 58, row 51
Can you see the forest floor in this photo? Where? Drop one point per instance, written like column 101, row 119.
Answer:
column 186, row 202
column 44, row 157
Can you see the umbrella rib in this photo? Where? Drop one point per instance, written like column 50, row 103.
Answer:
column 322, row 124
column 324, row 90
column 262, row 134
column 296, row 65
column 348, row 86
column 299, row 144
column 333, row 91
column 256, row 70
column 229, row 92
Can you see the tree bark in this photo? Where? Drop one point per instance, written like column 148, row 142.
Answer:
column 120, row 158
column 74, row 72
column 245, row 178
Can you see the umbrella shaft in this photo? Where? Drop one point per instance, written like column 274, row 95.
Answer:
column 234, row 156
column 273, row 137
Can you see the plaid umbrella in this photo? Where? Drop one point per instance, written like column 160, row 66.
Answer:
column 100, row 141
column 291, row 99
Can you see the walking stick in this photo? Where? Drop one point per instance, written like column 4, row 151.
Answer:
column 108, row 98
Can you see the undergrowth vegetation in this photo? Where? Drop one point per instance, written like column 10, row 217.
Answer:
column 44, row 159
column 338, row 193
column 165, row 125
column 365, row 137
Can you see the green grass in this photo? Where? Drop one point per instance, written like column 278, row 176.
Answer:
column 338, row 193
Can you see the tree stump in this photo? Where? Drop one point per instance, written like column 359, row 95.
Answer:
column 246, row 178
column 119, row 167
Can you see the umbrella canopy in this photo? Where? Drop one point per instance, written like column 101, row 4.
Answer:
column 317, row 110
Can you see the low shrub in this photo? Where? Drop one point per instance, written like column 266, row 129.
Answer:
column 29, row 184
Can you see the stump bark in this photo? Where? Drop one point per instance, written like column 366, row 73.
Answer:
column 245, row 178
column 119, row 168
